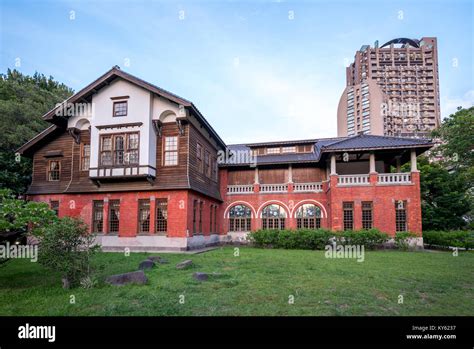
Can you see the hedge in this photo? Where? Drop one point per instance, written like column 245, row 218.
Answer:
column 306, row 239
column 463, row 239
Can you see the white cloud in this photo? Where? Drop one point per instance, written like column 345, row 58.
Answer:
column 449, row 104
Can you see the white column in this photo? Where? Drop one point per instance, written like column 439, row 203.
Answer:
column 333, row 164
column 256, row 176
column 372, row 163
column 413, row 161
column 398, row 164
column 290, row 174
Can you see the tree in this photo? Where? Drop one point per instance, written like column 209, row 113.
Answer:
column 457, row 142
column 445, row 200
column 17, row 217
column 457, row 148
column 67, row 248
column 23, row 100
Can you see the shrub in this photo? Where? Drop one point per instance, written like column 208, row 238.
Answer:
column 291, row 239
column 463, row 239
column 264, row 238
column 370, row 239
column 306, row 239
column 67, row 247
column 402, row 240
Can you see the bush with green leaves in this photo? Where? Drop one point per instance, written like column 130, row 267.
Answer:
column 306, row 239
column 403, row 240
column 459, row 238
column 18, row 217
column 67, row 247
column 291, row 239
column 369, row 238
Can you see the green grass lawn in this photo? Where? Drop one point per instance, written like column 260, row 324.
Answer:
column 258, row 282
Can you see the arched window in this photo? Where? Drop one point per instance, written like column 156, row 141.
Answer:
column 240, row 218
column 308, row 216
column 273, row 217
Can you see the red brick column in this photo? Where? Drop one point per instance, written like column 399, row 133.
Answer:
column 106, row 216
column 290, row 187
column 414, row 206
column 152, row 214
column 373, row 178
column 357, row 215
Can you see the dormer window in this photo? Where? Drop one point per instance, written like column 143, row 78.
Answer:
column 120, row 108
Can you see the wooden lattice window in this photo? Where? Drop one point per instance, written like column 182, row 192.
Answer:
column 106, row 151
column 367, row 215
column 98, row 217
column 207, row 163
column 308, row 216
column 211, row 216
column 114, row 216
column 171, row 151
column 120, row 108
column 348, row 215
column 214, row 169
column 133, row 141
column 400, row 216
column 85, row 157
column 200, row 164
column 144, row 216
column 54, row 170
column 240, row 217
column 200, row 216
column 119, row 149
column 161, row 225
column 195, row 203
column 273, row 217
column 54, row 205
column 215, row 218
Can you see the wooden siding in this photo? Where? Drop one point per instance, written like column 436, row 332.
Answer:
column 39, row 183
column 273, row 175
column 172, row 176
column 198, row 180
column 308, row 174
column 240, row 177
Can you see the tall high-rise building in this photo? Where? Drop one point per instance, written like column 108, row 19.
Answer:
column 392, row 90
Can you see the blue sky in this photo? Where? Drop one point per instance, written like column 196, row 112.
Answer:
column 258, row 71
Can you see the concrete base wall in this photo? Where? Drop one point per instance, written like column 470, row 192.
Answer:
column 156, row 243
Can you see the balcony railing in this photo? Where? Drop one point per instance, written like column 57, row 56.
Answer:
column 240, row 189
column 308, row 187
column 394, row 178
column 122, row 171
column 350, row 180
column 273, row 188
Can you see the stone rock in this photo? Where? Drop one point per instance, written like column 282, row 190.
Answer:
column 134, row 277
column 201, row 276
column 66, row 283
column 184, row 264
column 146, row 264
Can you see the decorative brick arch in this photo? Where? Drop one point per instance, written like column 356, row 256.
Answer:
column 324, row 213
column 270, row 202
column 226, row 211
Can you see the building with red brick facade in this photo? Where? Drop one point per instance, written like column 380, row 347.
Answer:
column 146, row 171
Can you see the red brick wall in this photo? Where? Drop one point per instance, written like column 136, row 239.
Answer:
column 330, row 201
column 180, row 206
column 80, row 205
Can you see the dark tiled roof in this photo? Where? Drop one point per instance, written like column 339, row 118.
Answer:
column 325, row 145
column 376, row 142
